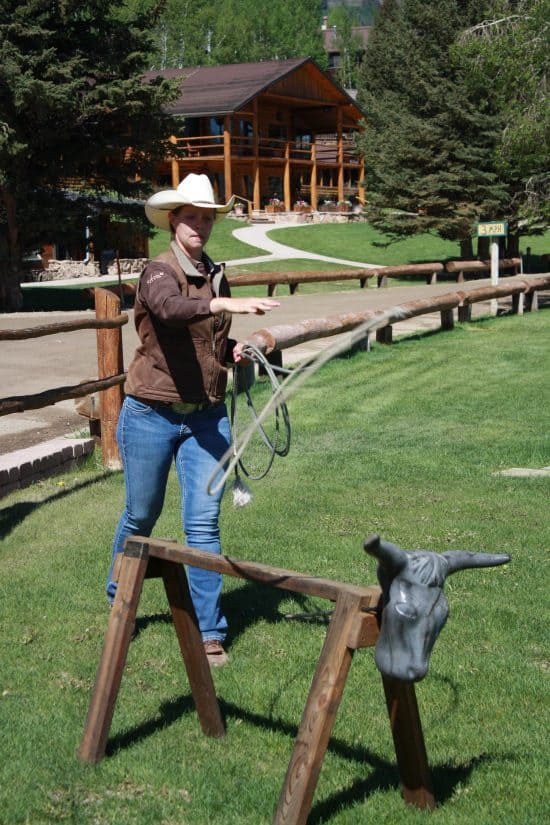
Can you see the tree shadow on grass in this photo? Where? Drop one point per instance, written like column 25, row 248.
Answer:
column 14, row 514
column 382, row 775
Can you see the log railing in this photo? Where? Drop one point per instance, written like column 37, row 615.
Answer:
column 461, row 268
column 428, row 271
column 283, row 336
column 294, row 279
column 108, row 323
column 241, row 146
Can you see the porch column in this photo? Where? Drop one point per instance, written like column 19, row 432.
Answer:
column 256, row 195
column 361, row 187
column 313, row 180
column 175, row 166
column 339, row 121
column 175, row 174
column 228, row 183
column 287, row 196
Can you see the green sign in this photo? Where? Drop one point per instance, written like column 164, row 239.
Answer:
column 494, row 229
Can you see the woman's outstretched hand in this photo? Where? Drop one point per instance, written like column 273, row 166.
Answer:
column 243, row 306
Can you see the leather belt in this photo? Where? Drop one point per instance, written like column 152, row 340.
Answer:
column 181, row 407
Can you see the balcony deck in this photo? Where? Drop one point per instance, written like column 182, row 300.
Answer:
column 323, row 153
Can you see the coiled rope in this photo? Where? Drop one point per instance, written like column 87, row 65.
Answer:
column 280, row 443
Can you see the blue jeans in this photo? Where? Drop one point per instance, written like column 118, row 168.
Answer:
column 149, row 439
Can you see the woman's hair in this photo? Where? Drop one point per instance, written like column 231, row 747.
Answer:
column 173, row 211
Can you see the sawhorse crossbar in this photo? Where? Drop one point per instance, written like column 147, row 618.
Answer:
column 353, row 624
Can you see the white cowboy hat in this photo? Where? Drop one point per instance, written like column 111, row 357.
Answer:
column 195, row 190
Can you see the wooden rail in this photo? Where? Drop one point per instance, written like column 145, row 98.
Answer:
column 283, row 336
column 460, row 268
column 294, row 279
column 108, row 323
column 24, row 333
column 429, row 271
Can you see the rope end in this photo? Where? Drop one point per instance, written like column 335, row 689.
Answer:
column 242, row 495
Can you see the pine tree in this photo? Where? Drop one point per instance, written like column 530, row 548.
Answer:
column 507, row 55
column 73, row 107
column 429, row 144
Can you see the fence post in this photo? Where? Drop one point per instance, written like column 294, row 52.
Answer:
column 384, row 335
column 464, row 312
column 447, row 319
column 109, row 362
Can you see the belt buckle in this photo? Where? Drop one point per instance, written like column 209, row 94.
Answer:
column 184, row 407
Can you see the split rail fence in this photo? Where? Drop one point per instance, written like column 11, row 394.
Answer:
column 430, row 271
column 109, row 321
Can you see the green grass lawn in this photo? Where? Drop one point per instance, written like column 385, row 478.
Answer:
column 360, row 242
column 405, row 441
column 365, row 244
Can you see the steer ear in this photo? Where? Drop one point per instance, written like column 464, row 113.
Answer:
column 391, row 557
column 461, row 560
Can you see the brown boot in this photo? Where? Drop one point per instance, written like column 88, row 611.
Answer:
column 216, row 655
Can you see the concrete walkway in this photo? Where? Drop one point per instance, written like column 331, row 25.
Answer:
column 256, row 235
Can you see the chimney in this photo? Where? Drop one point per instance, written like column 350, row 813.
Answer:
column 324, row 27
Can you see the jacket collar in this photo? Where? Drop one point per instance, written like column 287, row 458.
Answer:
column 187, row 264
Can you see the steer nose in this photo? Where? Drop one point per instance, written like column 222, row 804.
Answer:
column 416, row 672
column 399, row 664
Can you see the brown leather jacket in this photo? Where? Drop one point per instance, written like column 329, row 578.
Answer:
column 183, row 347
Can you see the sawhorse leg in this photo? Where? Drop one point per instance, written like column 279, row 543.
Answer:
column 349, row 629
column 133, row 569
column 113, row 658
column 319, row 715
column 192, row 649
column 408, row 741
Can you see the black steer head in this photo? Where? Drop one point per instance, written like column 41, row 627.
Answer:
column 414, row 606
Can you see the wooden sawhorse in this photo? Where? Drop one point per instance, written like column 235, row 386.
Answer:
column 354, row 624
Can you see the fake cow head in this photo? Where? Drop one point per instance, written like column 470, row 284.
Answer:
column 414, row 605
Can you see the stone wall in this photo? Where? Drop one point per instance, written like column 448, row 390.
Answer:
column 62, row 270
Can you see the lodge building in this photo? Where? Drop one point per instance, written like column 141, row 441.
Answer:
column 275, row 131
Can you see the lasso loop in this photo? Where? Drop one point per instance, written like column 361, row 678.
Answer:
column 286, row 389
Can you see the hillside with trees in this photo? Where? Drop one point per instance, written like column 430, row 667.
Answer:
column 363, row 11
column 507, row 56
column 454, row 92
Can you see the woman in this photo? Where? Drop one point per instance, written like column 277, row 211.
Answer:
column 174, row 408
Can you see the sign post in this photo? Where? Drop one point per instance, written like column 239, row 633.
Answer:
column 493, row 229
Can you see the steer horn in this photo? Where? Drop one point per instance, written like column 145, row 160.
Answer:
column 462, row 560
